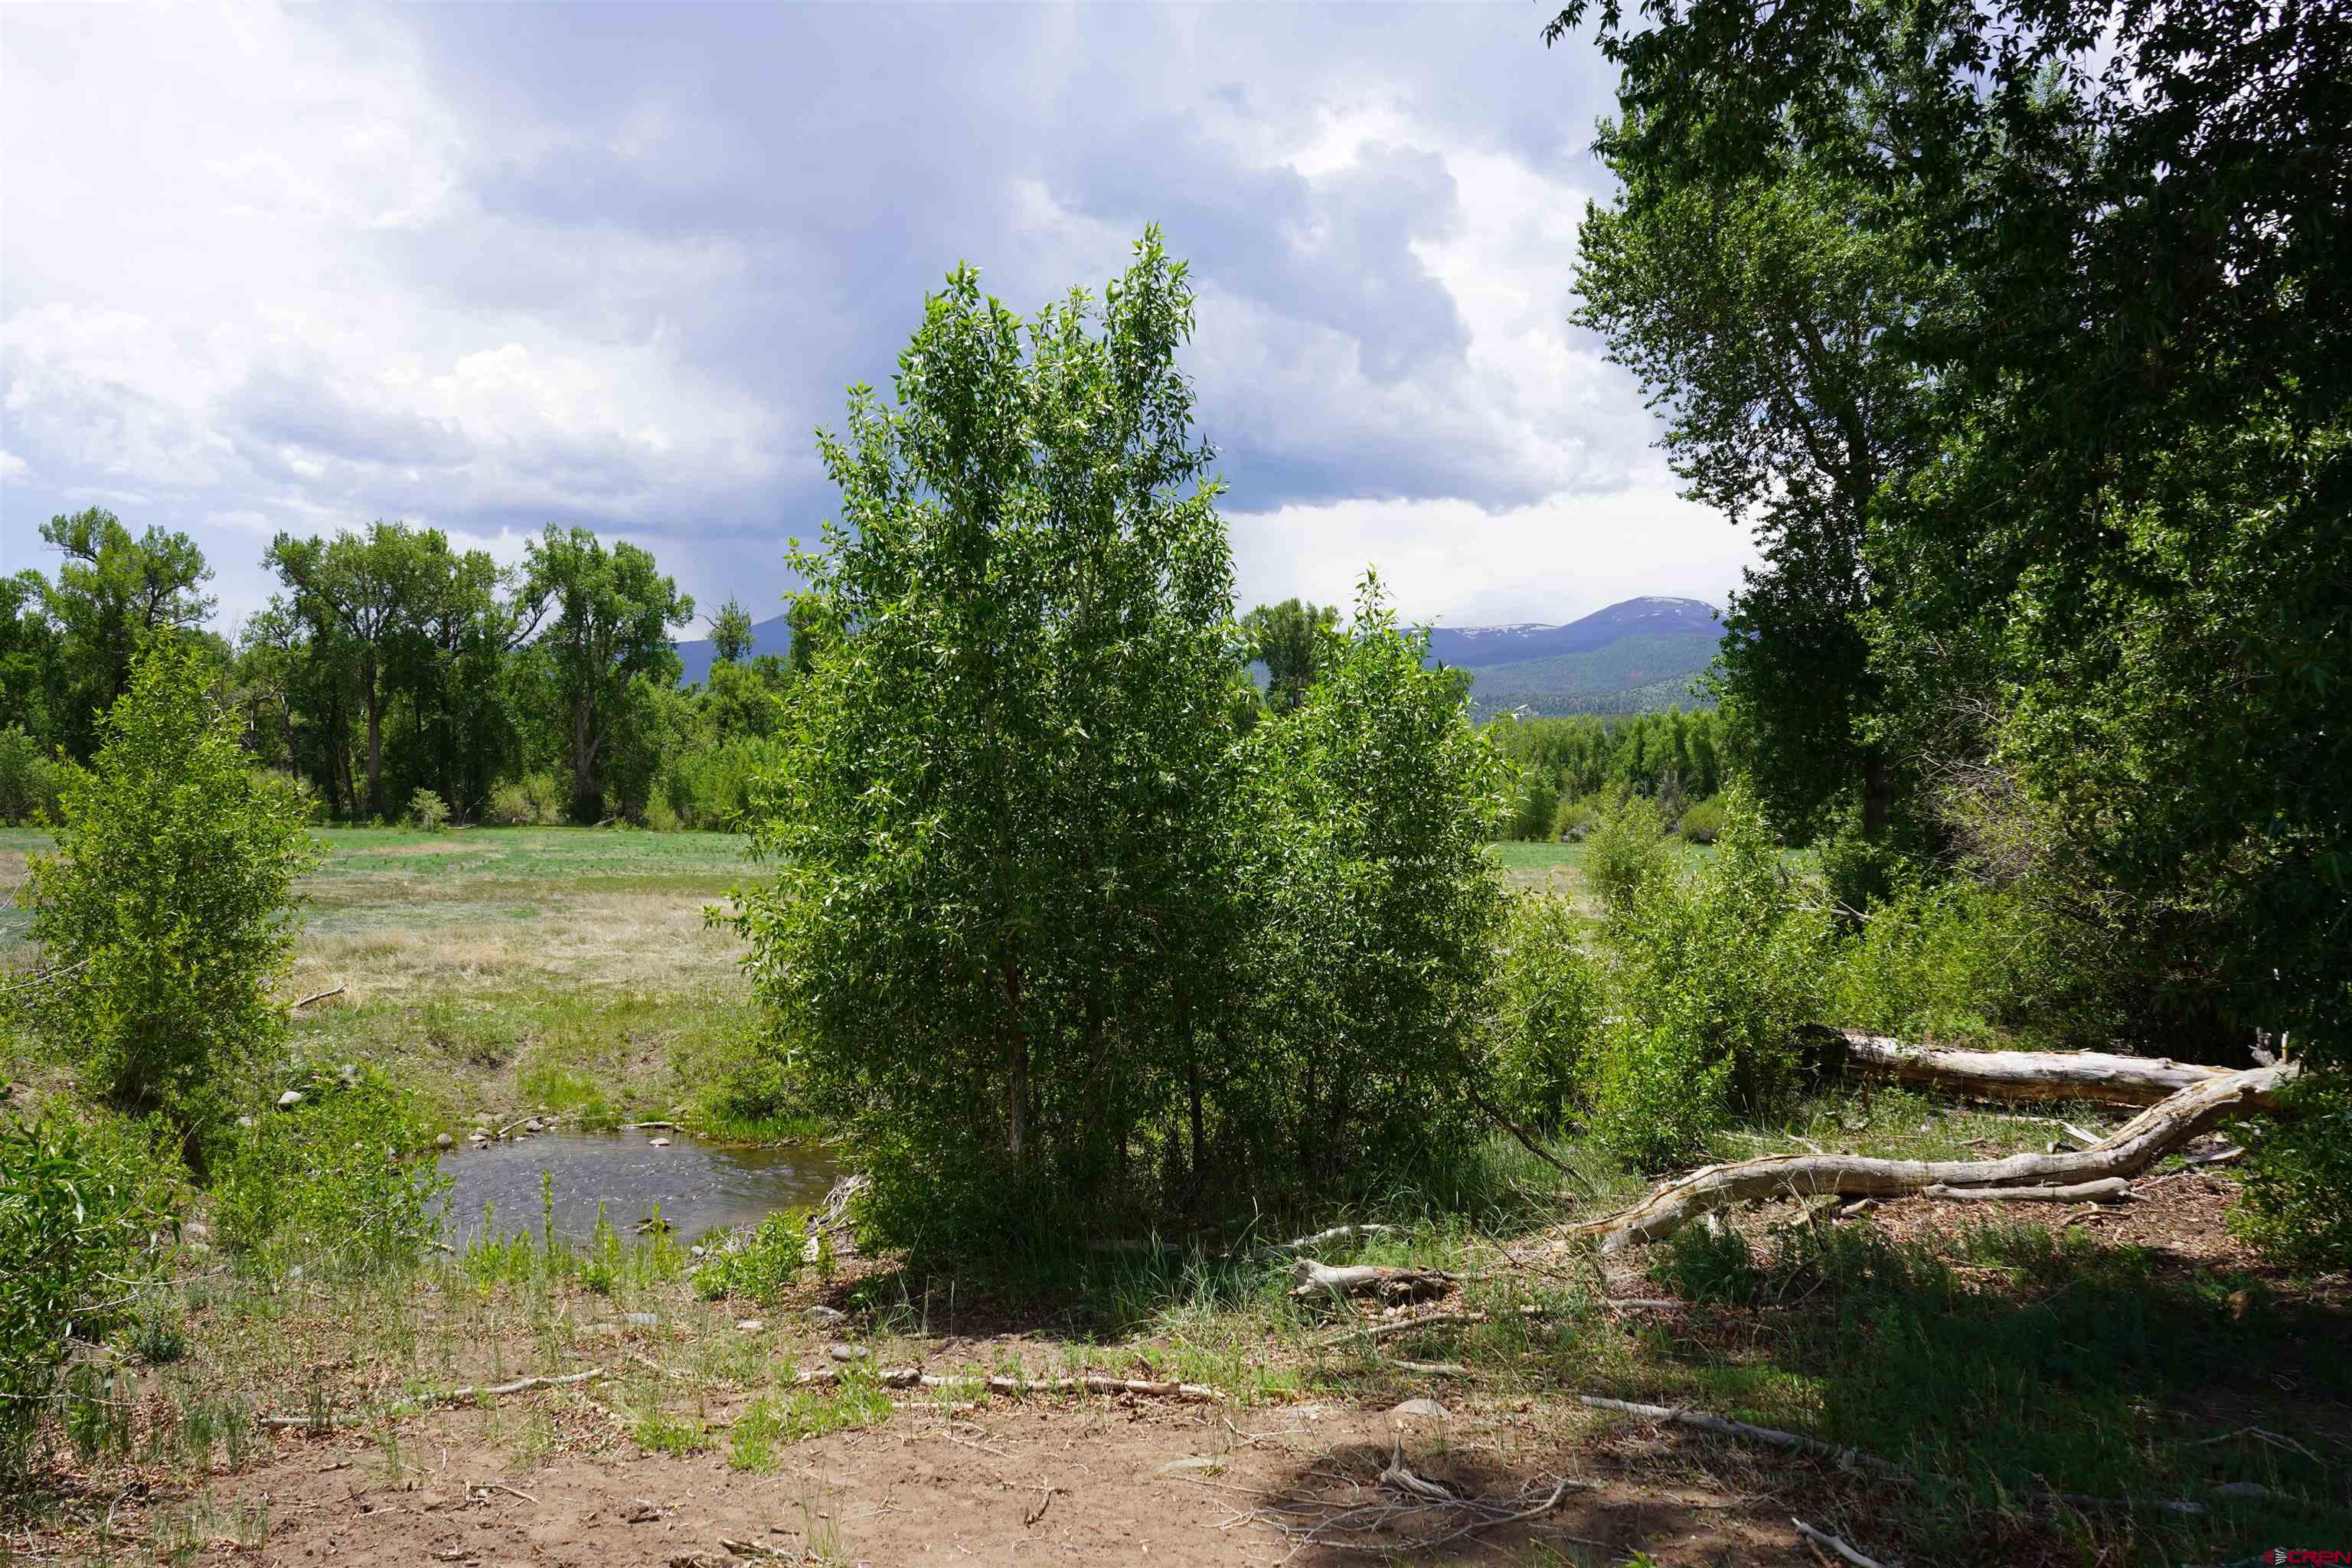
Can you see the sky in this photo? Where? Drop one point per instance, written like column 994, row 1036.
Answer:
column 486, row 268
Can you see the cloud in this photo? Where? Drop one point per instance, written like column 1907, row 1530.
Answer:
column 486, row 268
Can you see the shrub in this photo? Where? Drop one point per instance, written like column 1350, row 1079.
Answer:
column 1702, row 822
column 1943, row 964
column 331, row 1178
column 2299, row 1171
column 29, row 779
column 1053, row 947
column 1372, row 906
column 428, row 810
column 77, row 1206
column 1535, row 806
column 534, row 799
column 1574, row 818
column 1547, row 1011
column 166, row 911
column 1712, row 975
column 1626, row 849
column 1004, row 820
column 760, row 1263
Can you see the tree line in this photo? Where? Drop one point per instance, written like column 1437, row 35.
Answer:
column 2022, row 335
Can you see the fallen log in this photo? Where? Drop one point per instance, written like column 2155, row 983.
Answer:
column 909, row 1377
column 1310, row 1243
column 2125, row 1153
column 2026, row 1075
column 1368, row 1279
column 2109, row 1190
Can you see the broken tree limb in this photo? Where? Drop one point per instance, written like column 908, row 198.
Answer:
column 1701, row 1421
column 1310, row 1243
column 1824, row 1539
column 1526, row 1141
column 909, row 1377
column 427, row 1402
column 2108, row 1190
column 1368, row 1279
column 314, row 997
column 2125, row 1153
column 2026, row 1075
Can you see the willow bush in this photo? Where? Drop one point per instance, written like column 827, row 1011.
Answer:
column 1038, row 904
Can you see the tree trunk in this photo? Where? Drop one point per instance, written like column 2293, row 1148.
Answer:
column 2023, row 1075
column 374, row 739
column 1017, row 1049
column 2127, row 1151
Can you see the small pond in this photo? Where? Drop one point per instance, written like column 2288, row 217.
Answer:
column 700, row 1187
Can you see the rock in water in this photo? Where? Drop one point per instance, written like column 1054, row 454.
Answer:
column 661, row 1143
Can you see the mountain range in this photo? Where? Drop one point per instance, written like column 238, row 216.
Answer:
column 1634, row 656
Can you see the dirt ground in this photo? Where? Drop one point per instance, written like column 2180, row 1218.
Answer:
column 1102, row 1480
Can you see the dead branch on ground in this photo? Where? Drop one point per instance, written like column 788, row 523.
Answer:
column 2125, row 1153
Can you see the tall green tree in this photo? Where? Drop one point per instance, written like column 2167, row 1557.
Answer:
column 115, row 596
column 730, row 634
column 1766, row 325
column 1287, row 638
column 2124, row 559
column 605, row 645
column 995, row 940
column 30, row 672
column 165, row 913
column 358, row 593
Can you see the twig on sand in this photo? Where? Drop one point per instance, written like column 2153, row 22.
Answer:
column 427, row 1402
column 1823, row 1538
column 1043, row 1504
column 1701, row 1421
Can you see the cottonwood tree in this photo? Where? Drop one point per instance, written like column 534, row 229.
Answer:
column 604, row 645
column 1286, row 638
column 358, row 593
column 1766, row 326
column 2130, row 540
column 998, row 932
column 114, row 598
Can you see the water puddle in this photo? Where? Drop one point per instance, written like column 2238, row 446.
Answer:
column 700, row 1187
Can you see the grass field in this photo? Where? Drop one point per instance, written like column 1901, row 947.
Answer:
column 565, row 969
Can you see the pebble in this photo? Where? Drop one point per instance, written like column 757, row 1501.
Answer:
column 826, row 1315
column 290, row 1099
column 661, row 1143
column 847, row 1353
column 750, row 1325
column 442, row 1140
column 1422, row 1408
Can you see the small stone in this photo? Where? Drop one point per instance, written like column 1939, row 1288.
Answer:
column 442, row 1140
column 244, row 1122
column 196, row 1230
column 640, row 1511
column 290, row 1099
column 826, row 1316
column 750, row 1326
column 534, row 1125
column 848, row 1352
column 660, row 1142
column 1422, row 1408
column 646, row 1320
column 694, row 1251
